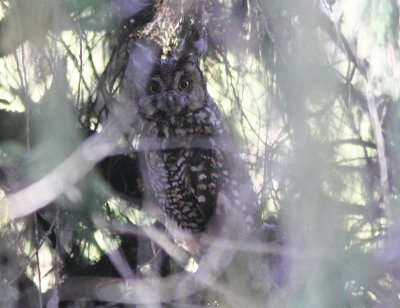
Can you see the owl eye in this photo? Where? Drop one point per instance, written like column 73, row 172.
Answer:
column 154, row 87
column 184, row 84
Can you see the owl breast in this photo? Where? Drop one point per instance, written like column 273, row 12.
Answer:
column 183, row 166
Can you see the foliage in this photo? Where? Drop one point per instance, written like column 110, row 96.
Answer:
column 311, row 92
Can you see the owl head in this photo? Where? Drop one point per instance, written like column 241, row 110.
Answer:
column 165, row 89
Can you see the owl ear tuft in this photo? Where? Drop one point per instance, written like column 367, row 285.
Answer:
column 199, row 30
column 194, row 43
column 200, row 41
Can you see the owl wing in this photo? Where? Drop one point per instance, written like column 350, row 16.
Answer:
column 214, row 173
column 240, row 197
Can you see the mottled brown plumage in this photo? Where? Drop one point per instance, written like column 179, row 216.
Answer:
column 189, row 160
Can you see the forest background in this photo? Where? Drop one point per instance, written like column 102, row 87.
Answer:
column 310, row 89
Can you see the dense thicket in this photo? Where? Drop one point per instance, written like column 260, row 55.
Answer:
column 310, row 89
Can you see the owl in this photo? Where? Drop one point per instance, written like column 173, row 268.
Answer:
column 189, row 161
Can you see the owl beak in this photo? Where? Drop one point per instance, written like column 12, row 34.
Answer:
column 170, row 103
column 171, row 107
